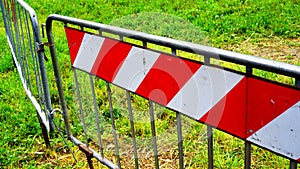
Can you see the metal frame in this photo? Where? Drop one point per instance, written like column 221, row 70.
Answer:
column 249, row 62
column 23, row 36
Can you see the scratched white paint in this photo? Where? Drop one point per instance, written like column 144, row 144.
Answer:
column 281, row 135
column 88, row 52
column 204, row 90
column 135, row 68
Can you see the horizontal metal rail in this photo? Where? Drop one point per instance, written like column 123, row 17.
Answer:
column 238, row 58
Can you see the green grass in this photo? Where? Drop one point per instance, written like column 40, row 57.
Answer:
column 265, row 28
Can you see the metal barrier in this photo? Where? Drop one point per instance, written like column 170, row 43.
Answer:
column 22, row 31
column 256, row 110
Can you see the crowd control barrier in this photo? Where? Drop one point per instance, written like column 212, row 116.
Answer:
column 23, row 36
column 256, row 110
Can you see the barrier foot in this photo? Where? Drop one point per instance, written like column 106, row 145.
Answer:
column 88, row 153
column 44, row 131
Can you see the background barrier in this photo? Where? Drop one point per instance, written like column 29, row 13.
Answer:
column 23, row 35
column 257, row 110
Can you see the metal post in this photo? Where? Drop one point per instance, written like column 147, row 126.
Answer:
column 180, row 140
column 111, row 110
column 136, row 158
column 153, row 131
column 247, row 155
column 97, row 116
column 179, row 132
column 80, row 107
column 247, row 160
column 58, row 77
column 293, row 163
column 210, row 140
column 210, row 147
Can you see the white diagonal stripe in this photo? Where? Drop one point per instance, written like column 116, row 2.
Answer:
column 281, row 135
column 135, row 68
column 88, row 52
column 203, row 91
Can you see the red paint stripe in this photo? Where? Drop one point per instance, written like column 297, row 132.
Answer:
column 110, row 58
column 298, row 160
column 166, row 78
column 74, row 38
column 266, row 101
column 229, row 114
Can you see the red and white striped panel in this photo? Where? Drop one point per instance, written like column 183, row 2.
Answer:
column 260, row 111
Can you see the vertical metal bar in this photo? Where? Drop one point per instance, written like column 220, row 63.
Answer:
column 80, row 107
column 153, row 131
column 247, row 146
column 19, row 23
column 179, row 132
column 3, row 11
column 180, row 140
column 209, row 133
column 44, row 79
column 297, row 82
column 210, row 147
column 247, row 155
column 59, row 85
column 32, row 54
column 11, row 28
column 25, row 45
column 113, row 124
column 88, row 155
column 293, row 163
column 16, row 28
column 97, row 116
column 136, row 160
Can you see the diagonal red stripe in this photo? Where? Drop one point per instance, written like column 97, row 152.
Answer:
column 166, row 78
column 74, row 38
column 229, row 114
column 266, row 101
column 110, row 58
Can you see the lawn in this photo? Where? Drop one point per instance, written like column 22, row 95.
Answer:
column 268, row 29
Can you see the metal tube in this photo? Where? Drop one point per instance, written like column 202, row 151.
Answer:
column 113, row 124
column 136, row 158
column 247, row 160
column 293, row 164
column 180, row 140
column 40, row 52
column 256, row 62
column 80, row 107
column 247, row 146
column 153, row 131
column 210, row 147
column 27, row 66
column 58, row 79
column 18, row 48
column 179, row 132
column 97, row 116
column 32, row 54
column 96, row 155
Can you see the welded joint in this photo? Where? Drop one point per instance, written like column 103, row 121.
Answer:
column 88, row 153
column 86, row 150
column 40, row 47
